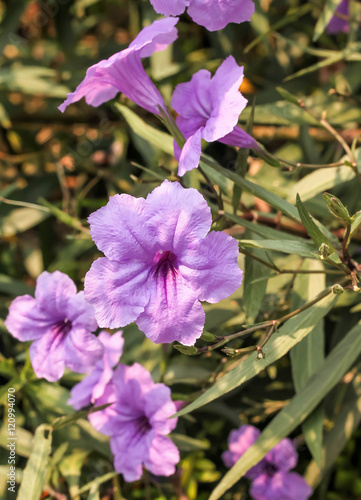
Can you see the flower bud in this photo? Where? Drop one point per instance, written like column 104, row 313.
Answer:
column 208, row 337
column 337, row 289
column 184, row 349
column 337, row 208
column 324, row 251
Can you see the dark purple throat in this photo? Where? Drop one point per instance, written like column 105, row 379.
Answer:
column 143, row 425
column 165, row 264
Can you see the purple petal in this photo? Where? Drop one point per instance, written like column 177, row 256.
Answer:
column 239, row 441
column 191, row 100
column 283, row 455
column 124, row 72
column 129, row 450
column 103, row 420
column 82, row 350
column 191, row 153
column 80, row 313
column 288, row 486
column 81, row 393
column 170, row 8
column 210, row 266
column 226, row 100
column 177, row 216
column 162, row 457
column 240, row 139
column 338, row 25
column 216, row 14
column 158, row 407
column 113, row 347
column 25, row 320
column 119, row 292
column 47, row 356
column 173, row 313
column 118, row 229
column 52, row 292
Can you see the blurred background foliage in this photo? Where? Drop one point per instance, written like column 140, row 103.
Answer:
column 55, row 169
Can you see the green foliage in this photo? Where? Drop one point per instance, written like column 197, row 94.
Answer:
column 283, row 352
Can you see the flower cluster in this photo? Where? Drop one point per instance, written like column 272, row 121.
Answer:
column 271, row 478
column 137, row 419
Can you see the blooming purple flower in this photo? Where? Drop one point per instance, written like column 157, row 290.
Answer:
column 213, row 14
column 60, row 322
column 159, row 263
column 271, row 477
column 337, row 24
column 208, row 108
column 124, row 72
column 139, row 424
column 94, row 385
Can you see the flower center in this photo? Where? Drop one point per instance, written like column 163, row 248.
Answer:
column 271, row 469
column 143, row 425
column 62, row 328
column 165, row 263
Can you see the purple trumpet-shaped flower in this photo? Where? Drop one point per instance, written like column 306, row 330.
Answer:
column 213, row 14
column 94, row 385
column 271, row 477
column 159, row 263
column 59, row 322
column 138, row 424
column 124, row 72
column 337, row 24
column 208, row 108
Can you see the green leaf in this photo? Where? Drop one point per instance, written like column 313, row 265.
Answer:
column 70, row 467
column 19, row 220
column 325, row 17
column 308, row 355
column 275, row 201
column 306, row 249
column 36, row 468
column 312, row 229
column 356, row 223
column 301, row 405
column 292, row 332
column 344, row 425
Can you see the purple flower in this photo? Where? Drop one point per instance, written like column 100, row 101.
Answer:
column 60, row 322
column 139, row 424
column 124, row 72
column 208, row 108
column 271, row 479
column 94, row 385
column 159, row 263
column 213, row 14
column 337, row 24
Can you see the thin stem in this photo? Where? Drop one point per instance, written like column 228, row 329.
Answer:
column 345, row 242
column 213, row 189
column 24, row 204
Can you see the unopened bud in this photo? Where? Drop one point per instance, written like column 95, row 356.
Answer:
column 230, row 351
column 184, row 349
column 260, row 353
column 356, row 288
column 337, row 289
column 337, row 208
column 208, row 337
column 324, row 251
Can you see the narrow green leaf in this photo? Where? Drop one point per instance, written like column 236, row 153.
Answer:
column 20, row 220
column 312, row 229
column 306, row 249
column 301, row 405
column 292, row 332
column 308, row 355
column 36, row 468
column 325, row 17
column 345, row 423
column 65, row 420
column 356, row 223
column 275, row 201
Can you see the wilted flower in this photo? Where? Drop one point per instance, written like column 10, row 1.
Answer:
column 139, row 424
column 208, row 108
column 124, row 72
column 213, row 14
column 94, row 385
column 271, row 477
column 159, row 263
column 60, row 322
